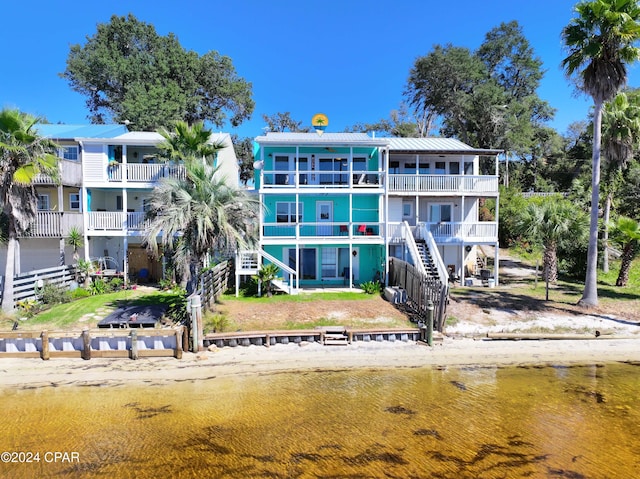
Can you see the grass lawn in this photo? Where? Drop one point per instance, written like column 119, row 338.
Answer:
column 87, row 312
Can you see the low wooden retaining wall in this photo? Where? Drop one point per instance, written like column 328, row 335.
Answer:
column 271, row 338
column 94, row 343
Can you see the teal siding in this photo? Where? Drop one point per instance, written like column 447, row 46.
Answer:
column 368, row 263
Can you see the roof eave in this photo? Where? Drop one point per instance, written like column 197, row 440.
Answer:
column 449, row 152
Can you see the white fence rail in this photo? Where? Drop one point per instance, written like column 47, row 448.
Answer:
column 25, row 284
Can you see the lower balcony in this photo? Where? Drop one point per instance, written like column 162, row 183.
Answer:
column 450, row 231
column 54, row 224
column 117, row 221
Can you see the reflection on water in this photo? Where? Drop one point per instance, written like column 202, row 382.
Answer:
column 569, row 422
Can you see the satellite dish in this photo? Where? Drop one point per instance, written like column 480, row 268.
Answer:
column 257, row 165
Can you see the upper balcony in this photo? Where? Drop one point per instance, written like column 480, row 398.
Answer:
column 70, row 173
column 142, row 173
column 443, row 184
column 314, row 179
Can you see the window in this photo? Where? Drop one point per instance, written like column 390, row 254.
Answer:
column 69, row 153
column 440, row 168
column 440, row 212
column 329, row 262
column 454, row 168
column 74, row 201
column 335, row 261
column 281, row 163
column 286, row 212
column 468, row 168
column 394, row 167
column 423, row 168
column 146, row 204
column 407, row 209
column 119, row 203
column 43, row 202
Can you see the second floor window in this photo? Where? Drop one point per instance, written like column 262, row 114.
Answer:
column 69, row 153
column 43, row 202
column 286, row 212
column 74, row 201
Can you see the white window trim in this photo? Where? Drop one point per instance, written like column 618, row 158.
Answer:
column 291, row 212
column 79, row 201
column 65, row 148
column 441, row 204
column 42, row 196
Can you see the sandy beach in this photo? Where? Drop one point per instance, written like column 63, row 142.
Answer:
column 448, row 352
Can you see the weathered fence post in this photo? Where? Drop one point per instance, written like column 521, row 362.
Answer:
column 44, row 354
column 133, row 352
column 86, row 345
column 196, row 324
column 430, row 323
column 179, row 334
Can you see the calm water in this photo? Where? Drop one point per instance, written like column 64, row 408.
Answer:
column 568, row 422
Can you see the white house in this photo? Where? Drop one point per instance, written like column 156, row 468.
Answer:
column 108, row 174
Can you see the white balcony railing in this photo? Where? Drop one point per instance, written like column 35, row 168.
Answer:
column 70, row 173
column 144, row 173
column 468, row 232
column 316, row 178
column 339, row 230
column 106, row 220
column 54, row 224
column 137, row 221
column 443, row 183
column 117, row 221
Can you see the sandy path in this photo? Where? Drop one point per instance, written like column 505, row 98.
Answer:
column 34, row 373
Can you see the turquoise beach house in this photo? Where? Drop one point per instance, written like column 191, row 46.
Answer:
column 323, row 198
column 338, row 206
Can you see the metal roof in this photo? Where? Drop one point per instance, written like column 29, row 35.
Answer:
column 68, row 132
column 334, row 139
column 436, row 145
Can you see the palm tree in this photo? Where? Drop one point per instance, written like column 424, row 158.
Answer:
column 23, row 154
column 187, row 143
column 198, row 214
column 266, row 275
column 620, row 139
column 600, row 43
column 549, row 223
column 626, row 233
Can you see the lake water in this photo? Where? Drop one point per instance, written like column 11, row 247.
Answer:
column 480, row 422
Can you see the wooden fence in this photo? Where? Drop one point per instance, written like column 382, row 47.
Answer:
column 94, row 343
column 216, row 281
column 420, row 290
column 25, row 285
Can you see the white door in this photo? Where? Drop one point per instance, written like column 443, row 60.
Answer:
column 324, row 218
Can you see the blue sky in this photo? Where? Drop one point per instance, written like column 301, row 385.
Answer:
column 346, row 58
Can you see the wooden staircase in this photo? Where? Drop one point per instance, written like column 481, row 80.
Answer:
column 427, row 260
column 335, row 336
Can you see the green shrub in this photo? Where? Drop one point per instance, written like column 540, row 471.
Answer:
column 166, row 284
column 98, row 286
column 53, row 294
column 371, row 287
column 28, row 307
column 215, row 322
column 116, row 284
column 177, row 309
column 79, row 293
